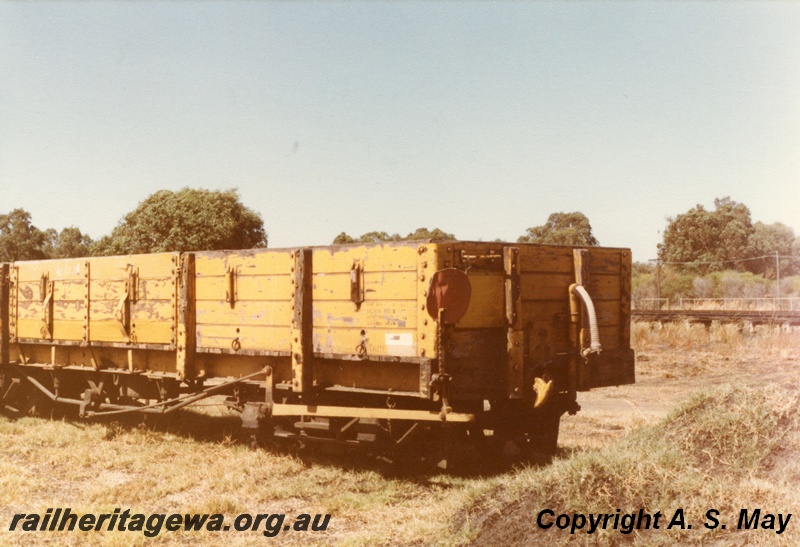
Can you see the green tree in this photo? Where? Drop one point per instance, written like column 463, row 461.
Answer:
column 703, row 241
column 562, row 229
column 187, row 220
column 19, row 239
column 343, row 239
column 377, row 237
column 434, row 235
column 766, row 240
column 69, row 243
column 370, row 237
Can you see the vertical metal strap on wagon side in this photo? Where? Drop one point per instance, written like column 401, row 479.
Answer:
column 516, row 335
column 5, row 333
column 46, row 290
column 12, row 303
column 302, row 322
column 187, row 319
column 625, row 299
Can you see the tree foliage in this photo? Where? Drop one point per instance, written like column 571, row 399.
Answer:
column 377, row 237
column 19, row 239
column 187, row 220
column 701, row 241
column 767, row 240
column 562, row 229
column 69, row 243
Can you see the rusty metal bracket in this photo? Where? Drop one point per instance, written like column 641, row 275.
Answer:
column 269, row 388
column 440, row 381
column 133, row 283
column 515, row 334
column 47, row 288
column 44, row 282
column 357, row 283
column 13, row 298
column 232, row 285
column 92, row 398
column 122, row 312
column 99, row 408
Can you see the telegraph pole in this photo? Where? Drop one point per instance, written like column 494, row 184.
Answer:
column 778, row 276
column 658, row 281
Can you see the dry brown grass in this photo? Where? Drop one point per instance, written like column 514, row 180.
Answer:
column 154, row 468
column 767, row 341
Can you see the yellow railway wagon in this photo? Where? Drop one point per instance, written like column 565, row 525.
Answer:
column 382, row 342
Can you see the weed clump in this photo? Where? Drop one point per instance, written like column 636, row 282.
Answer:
column 718, row 451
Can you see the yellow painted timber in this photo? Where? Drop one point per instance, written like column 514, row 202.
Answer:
column 65, row 289
column 250, row 337
column 29, row 328
column 146, row 332
column 153, row 310
column 161, row 288
column 430, row 259
column 382, row 342
column 486, row 306
column 254, row 262
column 375, row 413
column 371, row 314
column 29, row 309
column 249, row 287
column 245, row 312
column 68, row 330
column 376, row 258
column 391, row 285
column 69, row 268
column 158, row 266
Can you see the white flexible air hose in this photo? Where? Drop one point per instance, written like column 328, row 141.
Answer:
column 594, row 332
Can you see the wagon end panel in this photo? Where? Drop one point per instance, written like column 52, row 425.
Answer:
column 552, row 334
column 606, row 276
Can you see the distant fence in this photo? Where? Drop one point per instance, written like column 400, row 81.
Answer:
column 707, row 317
column 718, row 304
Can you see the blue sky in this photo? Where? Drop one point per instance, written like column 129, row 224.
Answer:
column 478, row 118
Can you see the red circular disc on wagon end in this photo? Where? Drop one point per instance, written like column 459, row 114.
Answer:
column 450, row 290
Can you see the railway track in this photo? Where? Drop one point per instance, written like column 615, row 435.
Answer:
column 722, row 316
